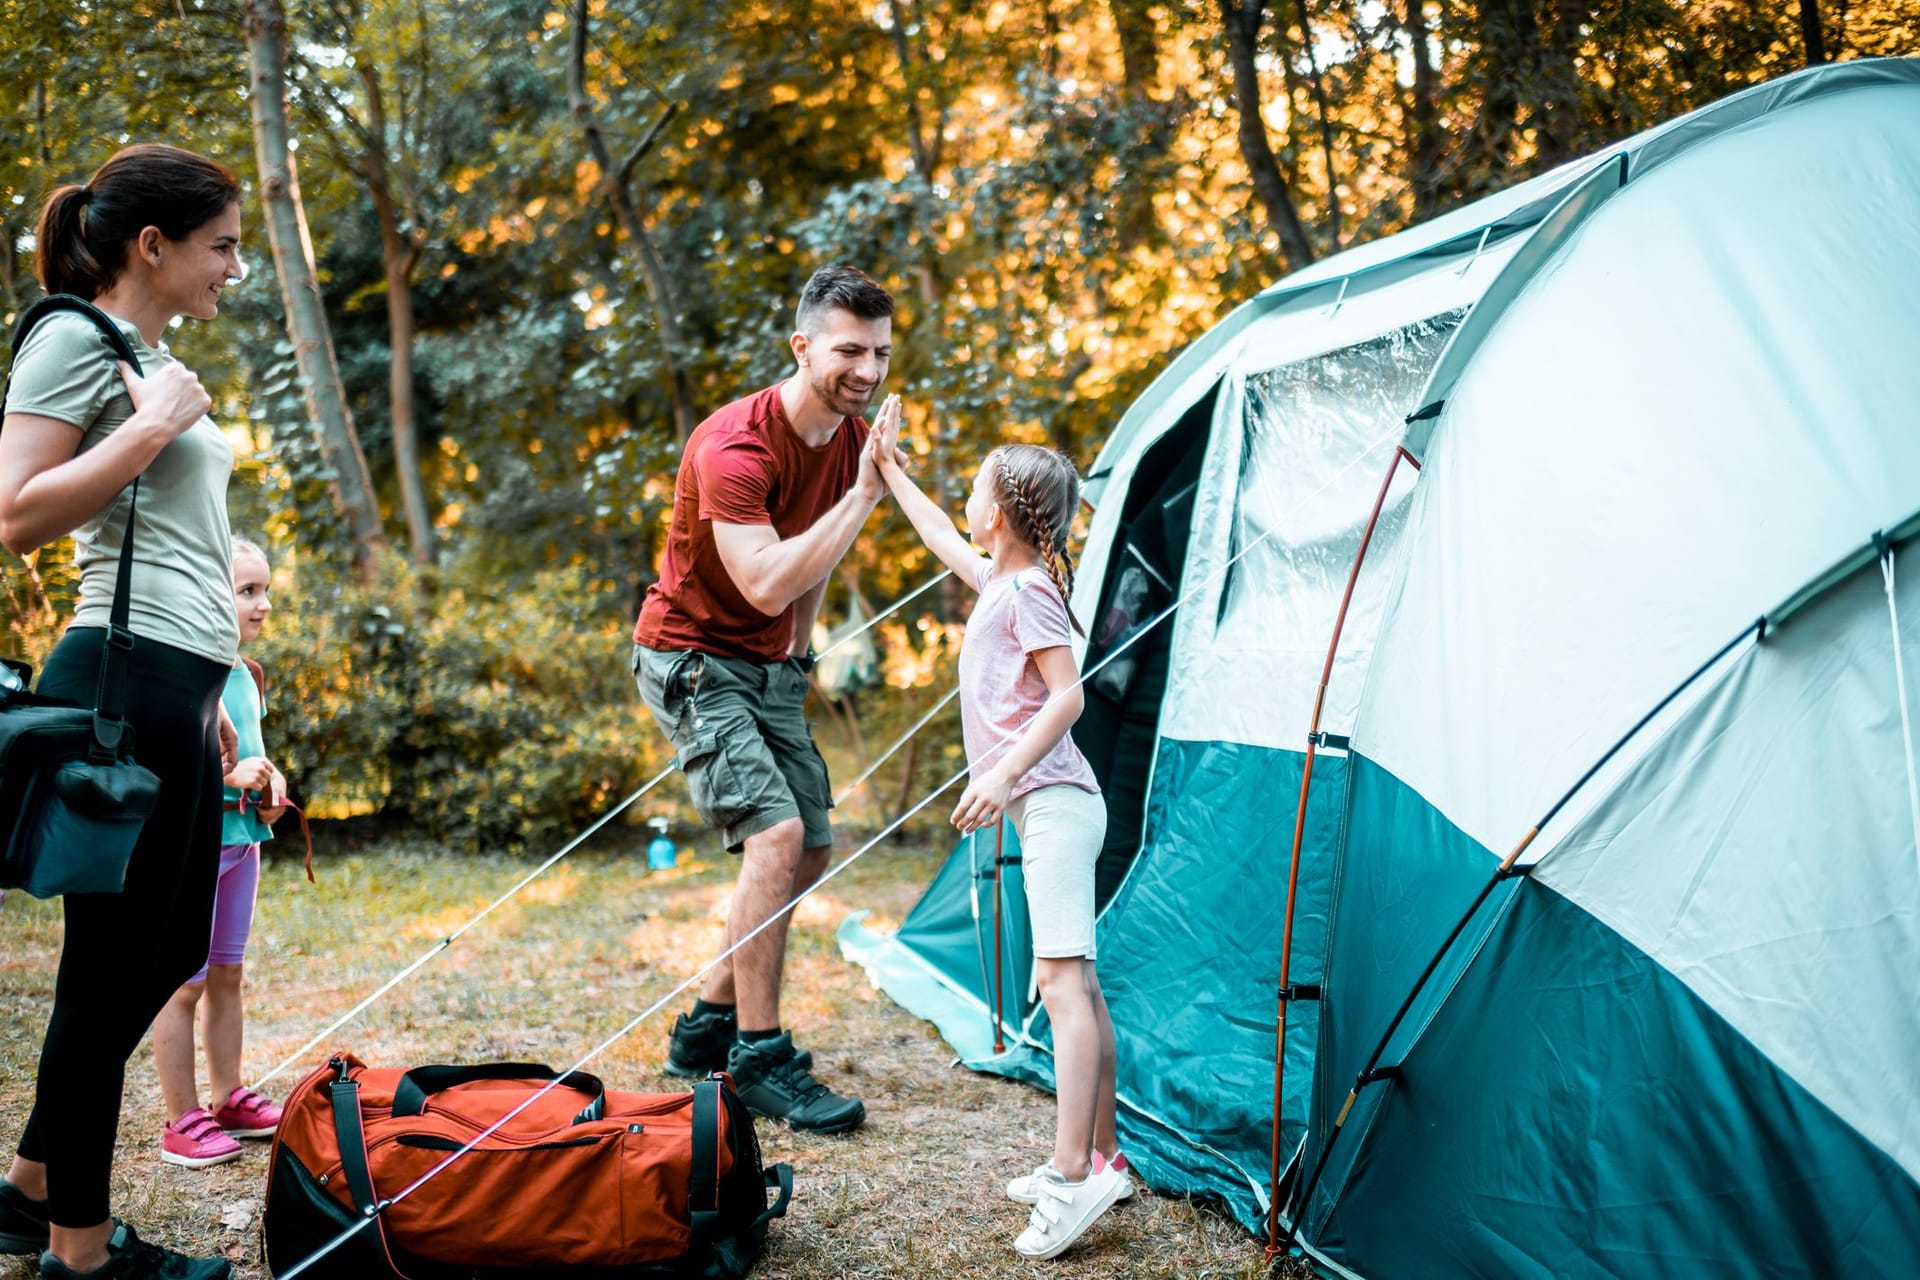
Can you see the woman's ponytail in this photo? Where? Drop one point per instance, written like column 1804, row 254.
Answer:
column 61, row 255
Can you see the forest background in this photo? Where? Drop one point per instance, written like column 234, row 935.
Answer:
column 548, row 238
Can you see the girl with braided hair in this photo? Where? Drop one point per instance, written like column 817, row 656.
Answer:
column 1019, row 697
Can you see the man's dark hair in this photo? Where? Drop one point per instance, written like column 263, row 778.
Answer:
column 840, row 288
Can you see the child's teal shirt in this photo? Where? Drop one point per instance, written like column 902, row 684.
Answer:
column 242, row 699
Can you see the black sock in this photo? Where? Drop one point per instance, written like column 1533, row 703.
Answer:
column 704, row 1009
column 746, row 1036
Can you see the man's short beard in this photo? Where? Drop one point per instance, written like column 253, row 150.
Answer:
column 844, row 403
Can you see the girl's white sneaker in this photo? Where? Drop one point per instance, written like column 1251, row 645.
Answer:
column 1025, row 1189
column 1064, row 1210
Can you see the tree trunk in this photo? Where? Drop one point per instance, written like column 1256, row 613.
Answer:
column 1139, row 44
column 1427, row 143
column 397, row 256
column 1509, row 48
column 1242, row 21
column 1810, row 31
column 1323, row 113
column 1152, row 121
column 300, row 290
column 1557, row 122
column 666, row 310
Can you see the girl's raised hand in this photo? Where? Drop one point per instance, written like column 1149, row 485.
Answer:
column 884, row 439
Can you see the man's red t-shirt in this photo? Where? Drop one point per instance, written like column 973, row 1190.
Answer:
column 743, row 465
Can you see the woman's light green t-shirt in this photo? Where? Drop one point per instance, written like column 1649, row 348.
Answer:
column 182, row 590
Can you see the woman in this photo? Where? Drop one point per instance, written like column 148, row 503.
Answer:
column 152, row 236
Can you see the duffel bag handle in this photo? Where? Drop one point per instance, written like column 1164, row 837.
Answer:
column 410, row 1095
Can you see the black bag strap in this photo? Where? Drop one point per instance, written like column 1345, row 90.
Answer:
column 109, row 331
column 703, row 1195
column 351, row 1136
column 778, row 1177
column 109, row 720
column 410, row 1095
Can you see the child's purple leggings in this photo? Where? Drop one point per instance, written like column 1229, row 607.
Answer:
column 232, row 906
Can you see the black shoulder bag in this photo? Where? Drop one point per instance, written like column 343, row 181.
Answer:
column 72, row 800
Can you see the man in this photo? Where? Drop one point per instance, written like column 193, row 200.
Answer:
column 771, row 492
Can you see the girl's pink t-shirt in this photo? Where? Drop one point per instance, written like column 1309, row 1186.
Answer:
column 1001, row 689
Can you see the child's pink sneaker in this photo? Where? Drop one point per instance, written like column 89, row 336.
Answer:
column 195, row 1141
column 247, row 1114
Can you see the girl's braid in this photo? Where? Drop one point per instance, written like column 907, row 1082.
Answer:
column 1041, row 519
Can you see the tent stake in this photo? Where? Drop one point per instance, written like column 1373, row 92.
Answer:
column 1293, row 865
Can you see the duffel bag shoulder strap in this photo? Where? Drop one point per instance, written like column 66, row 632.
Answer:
column 350, row 1135
column 110, row 693
column 349, row 1132
column 703, row 1194
column 703, row 1198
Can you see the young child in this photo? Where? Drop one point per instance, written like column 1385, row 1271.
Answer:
column 256, row 795
column 1019, row 696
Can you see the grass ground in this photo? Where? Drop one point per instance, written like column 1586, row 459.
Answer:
column 573, row 957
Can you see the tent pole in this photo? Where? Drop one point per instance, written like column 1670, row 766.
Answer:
column 999, row 948
column 1293, row 865
column 1372, row 1071
column 974, row 876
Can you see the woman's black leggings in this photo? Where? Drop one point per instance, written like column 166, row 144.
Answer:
column 126, row 953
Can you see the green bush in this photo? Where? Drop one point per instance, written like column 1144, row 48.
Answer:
column 483, row 722
column 508, row 718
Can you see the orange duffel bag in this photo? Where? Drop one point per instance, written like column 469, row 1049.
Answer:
column 584, row 1182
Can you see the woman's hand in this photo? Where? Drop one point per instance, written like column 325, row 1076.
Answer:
column 169, row 400
column 983, row 803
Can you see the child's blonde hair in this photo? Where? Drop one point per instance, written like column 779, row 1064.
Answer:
column 240, row 544
column 1038, row 489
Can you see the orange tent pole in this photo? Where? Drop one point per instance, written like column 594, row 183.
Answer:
column 1287, row 992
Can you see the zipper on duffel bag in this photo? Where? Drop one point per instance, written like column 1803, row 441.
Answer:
column 434, row 1142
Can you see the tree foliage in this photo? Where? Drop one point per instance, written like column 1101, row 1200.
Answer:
column 1061, row 193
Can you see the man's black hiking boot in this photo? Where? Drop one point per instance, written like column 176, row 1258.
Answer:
column 23, row 1222
column 777, row 1083
column 131, row 1258
column 700, row 1043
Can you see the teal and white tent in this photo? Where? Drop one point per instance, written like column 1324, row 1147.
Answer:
column 1657, row 396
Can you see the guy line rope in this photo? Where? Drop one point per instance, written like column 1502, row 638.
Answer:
column 299, row 1054
column 1139, row 632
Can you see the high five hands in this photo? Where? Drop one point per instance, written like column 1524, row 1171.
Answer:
column 871, row 481
column 986, row 797
column 883, row 438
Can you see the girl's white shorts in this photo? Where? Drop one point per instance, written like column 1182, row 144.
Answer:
column 1061, row 829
